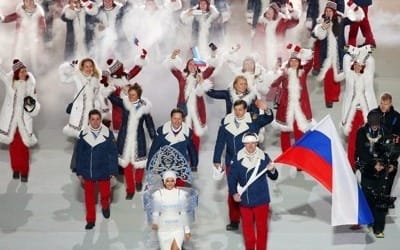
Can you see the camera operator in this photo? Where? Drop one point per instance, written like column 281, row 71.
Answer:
column 376, row 161
column 390, row 119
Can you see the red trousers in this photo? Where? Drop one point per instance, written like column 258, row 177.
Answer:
column 233, row 206
column 331, row 87
column 365, row 28
column 116, row 116
column 19, row 155
column 255, row 226
column 90, row 197
column 358, row 122
column 285, row 137
column 132, row 176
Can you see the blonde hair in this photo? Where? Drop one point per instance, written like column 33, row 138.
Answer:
column 239, row 77
column 96, row 72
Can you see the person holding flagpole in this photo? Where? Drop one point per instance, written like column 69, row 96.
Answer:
column 249, row 187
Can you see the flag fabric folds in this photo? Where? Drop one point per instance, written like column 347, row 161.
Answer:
column 320, row 153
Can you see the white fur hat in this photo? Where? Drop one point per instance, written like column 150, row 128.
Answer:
column 169, row 174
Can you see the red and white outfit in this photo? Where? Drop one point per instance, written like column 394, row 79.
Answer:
column 359, row 97
column 16, row 123
column 120, row 79
column 294, row 110
column 363, row 25
column 191, row 95
column 272, row 33
column 330, row 72
column 30, row 28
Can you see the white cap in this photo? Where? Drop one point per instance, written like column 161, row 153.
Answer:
column 169, row 174
column 250, row 137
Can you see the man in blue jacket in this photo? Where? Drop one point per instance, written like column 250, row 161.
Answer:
column 249, row 187
column 96, row 161
column 230, row 133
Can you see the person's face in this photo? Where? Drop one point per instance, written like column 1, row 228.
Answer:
column 29, row 4
column 192, row 67
column 203, row 5
column 108, row 3
column 23, row 74
column 357, row 67
column 248, row 65
column 150, row 5
column 169, row 183
column 329, row 12
column 133, row 96
column 176, row 120
column 251, row 147
column 95, row 121
column 294, row 63
column 241, row 85
column 75, row 3
column 239, row 111
column 374, row 127
column 269, row 14
column 385, row 105
column 88, row 68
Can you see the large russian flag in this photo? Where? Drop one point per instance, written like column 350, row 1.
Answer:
column 320, row 153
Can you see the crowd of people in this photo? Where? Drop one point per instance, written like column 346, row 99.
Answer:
column 270, row 88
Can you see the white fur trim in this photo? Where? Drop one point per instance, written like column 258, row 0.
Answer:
column 354, row 12
column 140, row 164
column 320, row 32
column 139, row 61
column 171, row 137
column 173, row 63
column 93, row 10
column 331, row 59
column 129, row 153
column 68, row 12
column 66, row 72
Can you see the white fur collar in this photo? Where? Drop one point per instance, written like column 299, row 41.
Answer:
column 91, row 140
column 248, row 97
column 258, row 156
column 171, row 137
column 231, row 127
column 144, row 105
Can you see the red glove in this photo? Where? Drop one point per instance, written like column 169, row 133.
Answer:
column 144, row 53
column 90, row 6
column 84, row 1
column 104, row 78
column 350, row 2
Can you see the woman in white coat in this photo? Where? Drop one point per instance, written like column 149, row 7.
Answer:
column 20, row 105
column 359, row 97
column 201, row 16
column 30, row 27
column 169, row 214
column 86, row 77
